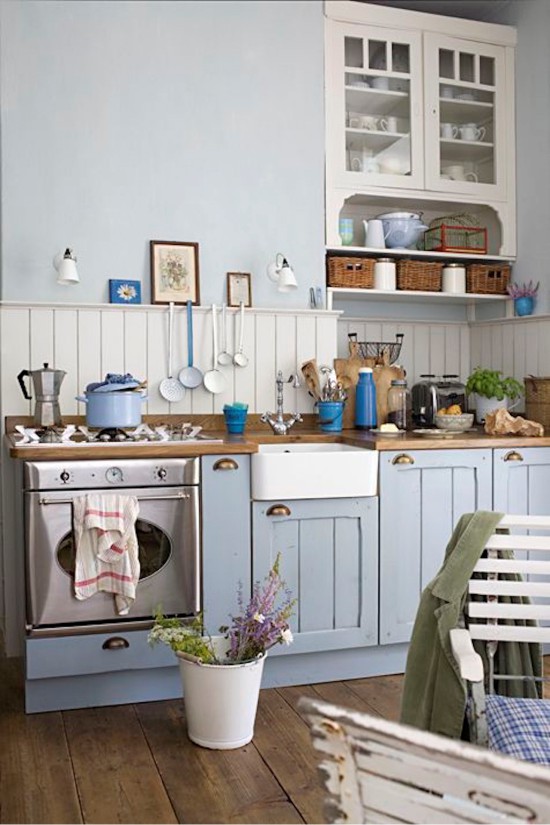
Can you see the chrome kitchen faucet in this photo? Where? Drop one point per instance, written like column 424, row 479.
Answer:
column 277, row 422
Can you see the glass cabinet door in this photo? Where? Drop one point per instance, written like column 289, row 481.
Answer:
column 374, row 126
column 466, row 129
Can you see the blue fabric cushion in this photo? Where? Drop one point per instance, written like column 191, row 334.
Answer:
column 519, row 727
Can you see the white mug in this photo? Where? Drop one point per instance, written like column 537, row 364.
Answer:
column 470, row 131
column 457, row 172
column 388, row 124
column 369, row 122
column 380, row 83
column 449, row 131
column 447, row 91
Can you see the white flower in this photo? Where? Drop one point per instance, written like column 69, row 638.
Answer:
column 287, row 636
column 259, row 617
column 126, row 292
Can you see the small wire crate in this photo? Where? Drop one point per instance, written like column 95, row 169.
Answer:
column 447, row 238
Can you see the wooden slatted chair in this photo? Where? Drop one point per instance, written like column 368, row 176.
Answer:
column 514, row 567
column 380, row 771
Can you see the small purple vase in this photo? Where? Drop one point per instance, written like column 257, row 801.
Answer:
column 524, row 305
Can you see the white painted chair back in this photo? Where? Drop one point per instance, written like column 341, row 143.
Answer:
column 531, row 560
column 380, row 771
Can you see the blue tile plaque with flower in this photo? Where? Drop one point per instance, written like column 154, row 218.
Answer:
column 124, row 292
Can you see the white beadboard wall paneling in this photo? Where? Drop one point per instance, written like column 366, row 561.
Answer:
column 516, row 346
column 88, row 341
column 439, row 348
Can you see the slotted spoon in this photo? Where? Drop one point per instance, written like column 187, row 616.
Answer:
column 170, row 388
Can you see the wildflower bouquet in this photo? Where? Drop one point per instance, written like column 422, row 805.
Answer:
column 522, row 290
column 261, row 624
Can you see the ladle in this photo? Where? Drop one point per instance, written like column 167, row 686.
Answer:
column 170, row 388
column 240, row 359
column 190, row 376
column 214, row 379
column 224, row 358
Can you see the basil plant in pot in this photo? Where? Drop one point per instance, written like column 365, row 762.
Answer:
column 221, row 675
column 492, row 391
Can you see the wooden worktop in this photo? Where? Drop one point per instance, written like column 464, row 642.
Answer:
column 256, row 433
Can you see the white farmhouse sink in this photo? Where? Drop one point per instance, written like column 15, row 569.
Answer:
column 316, row 470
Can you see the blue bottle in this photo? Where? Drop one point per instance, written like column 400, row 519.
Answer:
column 365, row 400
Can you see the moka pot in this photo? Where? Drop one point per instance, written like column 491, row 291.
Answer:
column 47, row 385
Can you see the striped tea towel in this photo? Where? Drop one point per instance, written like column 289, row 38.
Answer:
column 106, row 547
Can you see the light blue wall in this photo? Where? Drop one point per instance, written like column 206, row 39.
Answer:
column 129, row 121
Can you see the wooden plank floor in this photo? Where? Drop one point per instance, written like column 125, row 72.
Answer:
column 134, row 763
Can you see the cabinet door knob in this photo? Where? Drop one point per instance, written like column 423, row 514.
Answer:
column 513, row 455
column 278, row 510
column 115, row 643
column 402, row 458
column 225, row 464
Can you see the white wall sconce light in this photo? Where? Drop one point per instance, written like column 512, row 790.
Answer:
column 281, row 273
column 65, row 264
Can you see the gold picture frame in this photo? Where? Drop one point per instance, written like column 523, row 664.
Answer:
column 239, row 289
column 174, row 272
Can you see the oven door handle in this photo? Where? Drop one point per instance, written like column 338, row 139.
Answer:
column 175, row 496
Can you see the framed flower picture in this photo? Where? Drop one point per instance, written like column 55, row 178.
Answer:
column 124, row 292
column 174, row 272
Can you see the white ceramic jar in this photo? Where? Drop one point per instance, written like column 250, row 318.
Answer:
column 384, row 274
column 454, row 278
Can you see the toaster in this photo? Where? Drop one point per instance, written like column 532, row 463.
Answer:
column 431, row 394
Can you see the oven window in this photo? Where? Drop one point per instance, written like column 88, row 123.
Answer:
column 154, row 550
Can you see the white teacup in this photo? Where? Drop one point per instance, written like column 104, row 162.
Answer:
column 388, row 124
column 470, row 131
column 447, row 91
column 380, row 83
column 457, row 172
column 369, row 122
column 449, row 131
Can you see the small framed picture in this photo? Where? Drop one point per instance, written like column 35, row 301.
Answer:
column 239, row 289
column 174, row 272
column 124, row 292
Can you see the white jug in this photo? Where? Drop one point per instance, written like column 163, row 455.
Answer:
column 374, row 234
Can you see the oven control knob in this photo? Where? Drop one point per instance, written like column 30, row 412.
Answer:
column 161, row 473
column 65, row 476
column 114, row 475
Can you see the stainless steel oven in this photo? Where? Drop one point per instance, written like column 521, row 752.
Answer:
column 167, row 529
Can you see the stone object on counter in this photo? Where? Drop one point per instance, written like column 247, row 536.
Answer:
column 500, row 422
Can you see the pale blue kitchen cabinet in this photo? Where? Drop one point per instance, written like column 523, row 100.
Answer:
column 329, row 560
column 225, row 536
column 422, row 495
column 522, row 480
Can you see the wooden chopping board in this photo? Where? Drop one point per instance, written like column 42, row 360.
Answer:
column 347, row 371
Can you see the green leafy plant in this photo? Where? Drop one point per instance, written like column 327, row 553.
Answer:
column 490, row 384
column 262, row 623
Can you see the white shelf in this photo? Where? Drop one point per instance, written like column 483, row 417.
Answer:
column 468, row 299
column 417, row 253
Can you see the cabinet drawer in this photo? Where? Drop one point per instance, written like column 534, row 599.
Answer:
column 73, row 655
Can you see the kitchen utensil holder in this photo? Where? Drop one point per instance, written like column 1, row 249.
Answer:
column 350, row 273
column 487, row 279
column 424, row 276
column 448, row 238
column 375, row 349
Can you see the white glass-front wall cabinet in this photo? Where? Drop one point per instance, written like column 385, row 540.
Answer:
column 421, row 103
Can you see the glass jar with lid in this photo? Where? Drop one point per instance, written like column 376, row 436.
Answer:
column 399, row 404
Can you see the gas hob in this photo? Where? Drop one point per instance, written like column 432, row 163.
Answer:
column 72, row 435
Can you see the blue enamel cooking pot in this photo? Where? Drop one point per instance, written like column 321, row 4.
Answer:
column 113, row 409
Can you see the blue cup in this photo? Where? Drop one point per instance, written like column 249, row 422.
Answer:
column 330, row 416
column 235, row 419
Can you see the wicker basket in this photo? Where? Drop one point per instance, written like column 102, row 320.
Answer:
column 350, row 272
column 424, row 276
column 487, row 279
column 449, row 238
column 537, row 400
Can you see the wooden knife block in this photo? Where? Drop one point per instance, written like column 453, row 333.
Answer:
column 347, row 371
